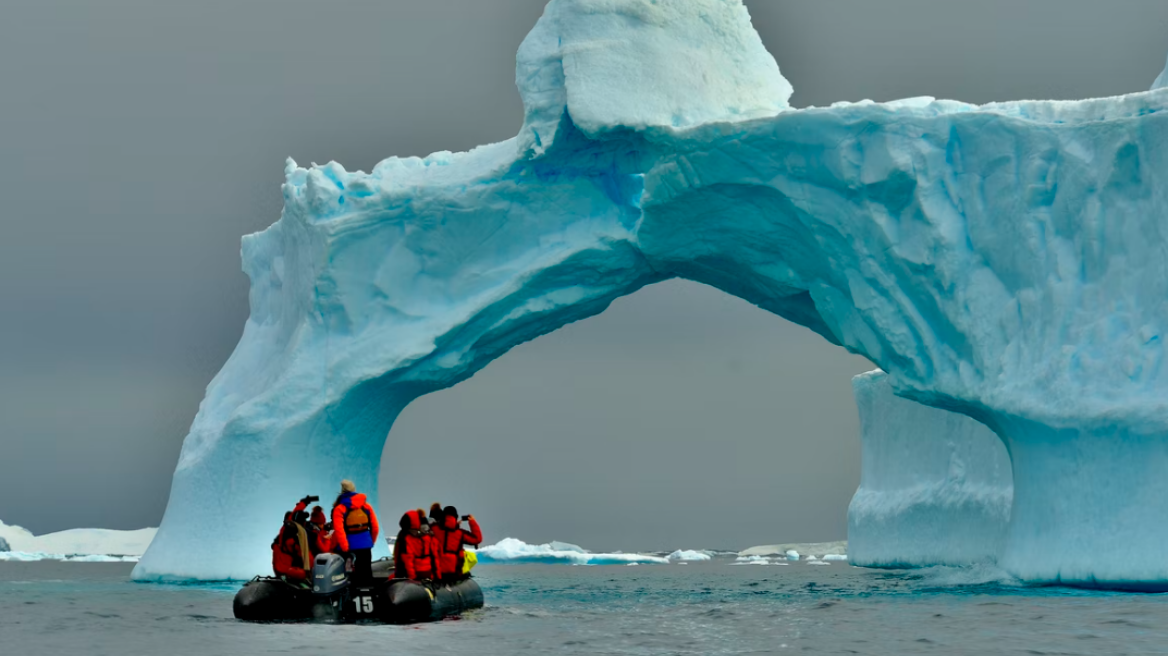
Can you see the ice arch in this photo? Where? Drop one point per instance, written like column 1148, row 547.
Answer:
column 1004, row 261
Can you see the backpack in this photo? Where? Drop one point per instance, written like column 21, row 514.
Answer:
column 356, row 520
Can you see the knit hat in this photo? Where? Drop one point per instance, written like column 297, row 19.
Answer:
column 436, row 511
column 347, row 486
column 450, row 511
column 318, row 515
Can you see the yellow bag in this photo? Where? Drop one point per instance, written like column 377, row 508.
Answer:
column 469, row 560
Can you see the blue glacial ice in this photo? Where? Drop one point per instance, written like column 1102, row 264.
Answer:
column 935, row 486
column 1006, row 261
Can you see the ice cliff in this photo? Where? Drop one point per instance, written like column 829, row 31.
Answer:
column 935, row 486
column 1004, row 261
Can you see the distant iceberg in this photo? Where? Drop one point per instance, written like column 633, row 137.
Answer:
column 31, row 557
column 73, row 543
column 687, row 555
column 513, row 551
column 792, row 550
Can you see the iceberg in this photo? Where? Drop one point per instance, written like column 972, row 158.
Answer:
column 513, row 551
column 1162, row 79
column 796, row 548
column 935, row 486
column 688, row 555
column 1006, row 261
column 757, row 560
column 95, row 542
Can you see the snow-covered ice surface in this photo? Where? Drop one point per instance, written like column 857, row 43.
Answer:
column 935, row 486
column 1006, row 261
column 73, row 543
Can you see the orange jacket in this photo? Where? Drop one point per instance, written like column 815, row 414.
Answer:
column 345, row 538
column 449, row 540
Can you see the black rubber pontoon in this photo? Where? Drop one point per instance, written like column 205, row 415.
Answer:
column 267, row 599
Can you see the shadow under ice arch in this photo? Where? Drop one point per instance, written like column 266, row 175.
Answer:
column 1005, row 261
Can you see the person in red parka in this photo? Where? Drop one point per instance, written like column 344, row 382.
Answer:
column 355, row 530
column 291, row 552
column 449, row 540
column 413, row 552
column 320, row 533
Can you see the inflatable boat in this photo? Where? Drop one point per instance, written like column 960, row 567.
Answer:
column 333, row 598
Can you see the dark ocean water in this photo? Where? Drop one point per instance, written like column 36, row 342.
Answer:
column 700, row 608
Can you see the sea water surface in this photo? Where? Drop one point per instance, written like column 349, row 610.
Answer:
column 713, row 607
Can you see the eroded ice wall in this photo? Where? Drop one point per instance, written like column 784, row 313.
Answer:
column 1006, row 261
column 935, row 486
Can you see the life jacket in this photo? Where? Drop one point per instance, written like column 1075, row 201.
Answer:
column 354, row 522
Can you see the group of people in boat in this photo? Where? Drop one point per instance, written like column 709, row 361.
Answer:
column 429, row 547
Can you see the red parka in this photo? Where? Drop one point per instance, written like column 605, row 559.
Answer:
column 288, row 559
column 413, row 553
column 450, row 539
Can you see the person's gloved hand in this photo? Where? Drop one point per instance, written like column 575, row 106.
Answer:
column 309, row 499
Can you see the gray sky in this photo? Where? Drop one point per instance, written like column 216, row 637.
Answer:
column 139, row 139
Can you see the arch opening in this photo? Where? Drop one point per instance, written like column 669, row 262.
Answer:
column 680, row 417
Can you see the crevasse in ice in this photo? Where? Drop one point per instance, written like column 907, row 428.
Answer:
column 1005, row 261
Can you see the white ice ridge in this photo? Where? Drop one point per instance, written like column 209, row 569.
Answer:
column 86, row 542
column 935, row 486
column 1006, row 261
column 1162, row 79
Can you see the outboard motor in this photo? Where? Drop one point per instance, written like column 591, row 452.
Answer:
column 330, row 586
column 329, row 574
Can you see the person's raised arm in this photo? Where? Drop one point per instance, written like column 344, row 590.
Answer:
column 474, row 536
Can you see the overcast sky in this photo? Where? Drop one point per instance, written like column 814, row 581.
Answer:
column 139, row 139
